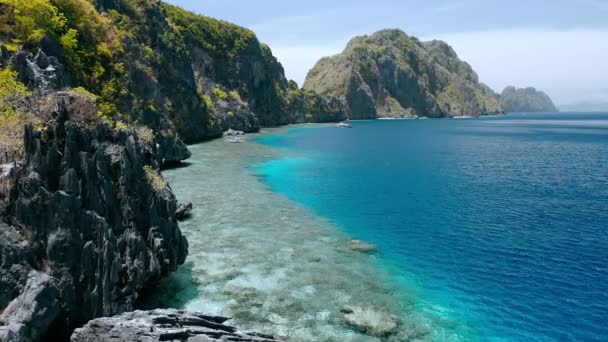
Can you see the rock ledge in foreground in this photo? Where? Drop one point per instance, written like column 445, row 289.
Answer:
column 163, row 325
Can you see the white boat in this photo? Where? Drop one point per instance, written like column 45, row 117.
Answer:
column 344, row 125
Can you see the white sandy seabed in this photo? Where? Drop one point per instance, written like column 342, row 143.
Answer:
column 271, row 264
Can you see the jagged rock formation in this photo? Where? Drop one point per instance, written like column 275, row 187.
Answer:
column 163, row 325
column 390, row 74
column 184, row 211
column 39, row 71
column 526, row 100
column 88, row 223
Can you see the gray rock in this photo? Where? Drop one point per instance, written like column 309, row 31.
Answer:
column 526, row 100
column 370, row 321
column 89, row 217
column 233, row 133
column 163, row 325
column 39, row 71
column 29, row 316
column 358, row 246
column 14, row 269
column 170, row 149
column 184, row 211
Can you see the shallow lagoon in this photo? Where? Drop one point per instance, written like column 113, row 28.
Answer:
column 272, row 264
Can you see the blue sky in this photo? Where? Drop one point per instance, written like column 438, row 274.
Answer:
column 558, row 46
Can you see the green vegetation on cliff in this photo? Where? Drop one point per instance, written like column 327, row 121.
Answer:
column 14, row 114
column 390, row 74
column 526, row 100
column 151, row 63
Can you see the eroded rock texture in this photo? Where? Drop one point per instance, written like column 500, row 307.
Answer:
column 163, row 325
column 87, row 227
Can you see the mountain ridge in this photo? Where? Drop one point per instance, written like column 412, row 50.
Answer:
column 527, row 99
column 392, row 74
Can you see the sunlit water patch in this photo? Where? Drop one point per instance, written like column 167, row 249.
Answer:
column 487, row 229
column 276, row 267
column 498, row 223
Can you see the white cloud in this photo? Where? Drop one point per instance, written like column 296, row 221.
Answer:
column 571, row 66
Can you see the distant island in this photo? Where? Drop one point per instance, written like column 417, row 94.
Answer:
column 526, row 100
column 391, row 74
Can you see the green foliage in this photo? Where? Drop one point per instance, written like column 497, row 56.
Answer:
column 119, row 125
column 69, row 42
column 12, row 92
column 13, row 111
column 235, row 95
column 145, row 134
column 85, row 93
column 438, row 82
column 448, row 94
column 220, row 38
column 130, row 60
column 154, row 178
column 209, row 103
column 31, row 19
column 220, row 94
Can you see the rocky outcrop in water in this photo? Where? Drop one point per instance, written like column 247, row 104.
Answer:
column 184, row 211
column 526, row 100
column 88, row 224
column 390, row 74
column 170, row 149
column 359, row 246
column 164, row 325
column 370, row 321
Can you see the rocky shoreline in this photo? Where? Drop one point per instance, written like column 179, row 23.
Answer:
column 87, row 224
column 164, row 325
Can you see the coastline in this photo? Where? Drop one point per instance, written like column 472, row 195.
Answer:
column 271, row 264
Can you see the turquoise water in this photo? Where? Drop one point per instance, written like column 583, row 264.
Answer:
column 499, row 223
column 274, row 266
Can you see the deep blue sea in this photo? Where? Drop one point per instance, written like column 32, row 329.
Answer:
column 500, row 223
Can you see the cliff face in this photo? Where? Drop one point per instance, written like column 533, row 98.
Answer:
column 152, row 63
column 88, row 223
column 391, row 74
column 526, row 100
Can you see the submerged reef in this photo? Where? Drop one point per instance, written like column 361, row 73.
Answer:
column 274, row 266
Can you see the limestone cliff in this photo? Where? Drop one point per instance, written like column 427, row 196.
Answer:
column 390, row 74
column 526, row 100
column 88, row 223
column 152, row 63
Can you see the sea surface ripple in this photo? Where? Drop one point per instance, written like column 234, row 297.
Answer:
column 500, row 223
